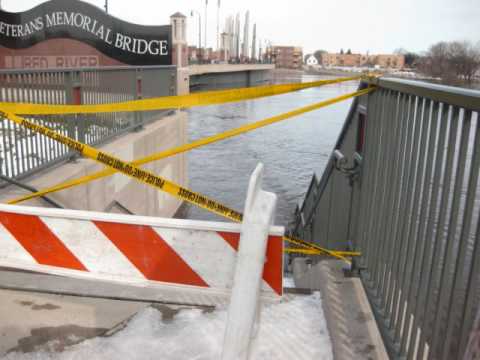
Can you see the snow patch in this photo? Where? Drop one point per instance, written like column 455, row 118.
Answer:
column 292, row 329
column 288, row 282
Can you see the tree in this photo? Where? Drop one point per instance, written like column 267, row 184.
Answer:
column 464, row 60
column 341, row 52
column 435, row 62
column 451, row 61
column 411, row 59
column 349, row 52
column 318, row 55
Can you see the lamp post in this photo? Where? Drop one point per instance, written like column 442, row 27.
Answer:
column 106, row 6
column 199, row 32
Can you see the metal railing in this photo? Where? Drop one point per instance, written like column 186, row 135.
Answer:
column 414, row 213
column 326, row 210
column 23, row 154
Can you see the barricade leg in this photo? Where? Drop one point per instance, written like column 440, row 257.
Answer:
column 244, row 308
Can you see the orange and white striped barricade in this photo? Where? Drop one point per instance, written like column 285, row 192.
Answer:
column 166, row 260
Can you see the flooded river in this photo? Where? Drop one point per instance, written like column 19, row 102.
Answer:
column 291, row 151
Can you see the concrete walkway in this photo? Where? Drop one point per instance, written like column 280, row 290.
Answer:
column 33, row 322
column 55, row 326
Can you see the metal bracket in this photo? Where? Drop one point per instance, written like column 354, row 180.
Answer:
column 341, row 162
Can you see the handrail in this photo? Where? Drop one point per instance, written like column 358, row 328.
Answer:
column 466, row 98
column 82, row 69
column 409, row 211
column 329, row 169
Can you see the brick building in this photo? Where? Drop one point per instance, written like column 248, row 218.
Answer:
column 287, row 57
column 358, row 60
column 390, row 61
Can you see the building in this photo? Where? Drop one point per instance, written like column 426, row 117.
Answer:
column 361, row 60
column 179, row 39
column 312, row 61
column 287, row 57
column 224, row 47
column 246, row 37
column 390, row 61
column 254, row 43
column 349, row 60
column 237, row 37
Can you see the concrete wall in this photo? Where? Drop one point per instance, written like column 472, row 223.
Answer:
column 119, row 193
column 228, row 68
column 224, row 76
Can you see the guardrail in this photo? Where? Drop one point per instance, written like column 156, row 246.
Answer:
column 410, row 152
column 23, row 155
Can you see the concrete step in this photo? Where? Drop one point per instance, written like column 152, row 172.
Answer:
column 352, row 326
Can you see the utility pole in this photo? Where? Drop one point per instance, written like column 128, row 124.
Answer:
column 106, row 6
column 199, row 32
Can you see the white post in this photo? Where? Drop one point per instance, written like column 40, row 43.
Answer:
column 244, row 303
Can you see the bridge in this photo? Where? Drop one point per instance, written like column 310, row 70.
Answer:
column 217, row 76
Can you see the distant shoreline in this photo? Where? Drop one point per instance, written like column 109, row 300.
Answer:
column 338, row 72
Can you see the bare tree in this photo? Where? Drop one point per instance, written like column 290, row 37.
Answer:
column 452, row 61
column 318, row 55
column 465, row 59
column 435, row 62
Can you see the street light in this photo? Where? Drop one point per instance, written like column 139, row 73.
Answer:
column 106, row 6
column 199, row 31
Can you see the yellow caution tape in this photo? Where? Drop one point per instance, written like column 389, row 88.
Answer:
column 302, row 251
column 198, row 143
column 129, row 169
column 169, row 102
column 151, row 179
column 139, row 174
column 317, row 252
column 319, row 249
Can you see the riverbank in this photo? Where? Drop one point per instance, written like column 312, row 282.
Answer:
column 407, row 75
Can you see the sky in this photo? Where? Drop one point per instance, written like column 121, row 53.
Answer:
column 374, row 26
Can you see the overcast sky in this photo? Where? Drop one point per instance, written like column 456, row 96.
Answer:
column 377, row 26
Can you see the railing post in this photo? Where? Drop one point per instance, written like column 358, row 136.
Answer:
column 138, row 95
column 244, row 308
column 76, row 123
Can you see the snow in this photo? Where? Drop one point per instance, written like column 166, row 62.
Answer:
column 292, row 329
column 288, row 282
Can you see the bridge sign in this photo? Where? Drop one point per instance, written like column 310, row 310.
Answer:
column 71, row 33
